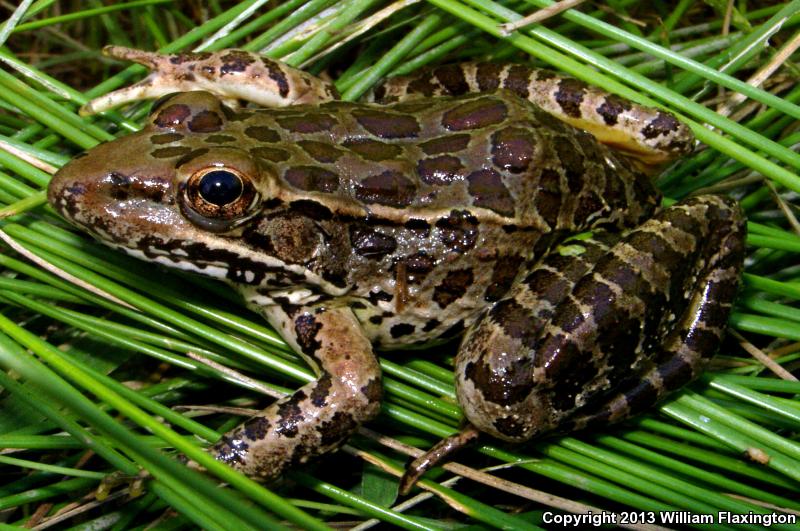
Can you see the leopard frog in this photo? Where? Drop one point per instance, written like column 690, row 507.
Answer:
column 445, row 205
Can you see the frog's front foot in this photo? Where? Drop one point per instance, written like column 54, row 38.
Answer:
column 320, row 416
column 231, row 75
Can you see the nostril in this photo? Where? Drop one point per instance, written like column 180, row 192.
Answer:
column 119, row 185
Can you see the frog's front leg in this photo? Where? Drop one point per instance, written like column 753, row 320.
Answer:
column 231, row 75
column 321, row 415
column 597, row 332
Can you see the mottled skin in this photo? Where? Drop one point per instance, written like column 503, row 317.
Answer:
column 402, row 224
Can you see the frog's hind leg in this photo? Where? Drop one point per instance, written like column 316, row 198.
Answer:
column 648, row 135
column 690, row 338
column 231, row 75
column 605, row 333
column 321, row 415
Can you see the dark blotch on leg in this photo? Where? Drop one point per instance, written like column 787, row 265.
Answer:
column 276, row 74
column 612, row 107
column 336, row 430
column 319, row 395
column 306, row 328
column 256, row 428
column 570, row 95
column 235, row 61
column 662, row 124
column 290, row 415
column 401, row 329
column 517, row 80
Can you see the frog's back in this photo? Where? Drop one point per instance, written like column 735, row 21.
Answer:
column 498, row 155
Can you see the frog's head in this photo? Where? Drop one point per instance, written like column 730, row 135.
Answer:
column 185, row 192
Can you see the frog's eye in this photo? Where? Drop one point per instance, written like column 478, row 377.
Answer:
column 218, row 198
column 220, row 187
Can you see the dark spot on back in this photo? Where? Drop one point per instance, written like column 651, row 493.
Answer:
column 384, row 124
column 190, row 156
column 418, row 225
column 308, row 123
column 271, row 154
column 375, row 296
column 373, row 391
column 165, row 138
column 262, row 133
column 205, row 122
column 320, row 151
column 475, row 114
column 390, row 188
column 440, row 170
column 169, row 152
column 312, row 178
column 220, row 139
column 419, row 263
column 448, row 144
column 256, row 428
column 373, row 149
column 172, row 115
column 513, row 149
column 488, row 191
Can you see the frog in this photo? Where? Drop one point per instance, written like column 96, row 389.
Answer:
column 510, row 206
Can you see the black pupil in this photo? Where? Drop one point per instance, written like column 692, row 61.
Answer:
column 220, row 187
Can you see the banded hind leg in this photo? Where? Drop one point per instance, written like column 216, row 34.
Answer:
column 612, row 332
column 648, row 135
column 231, row 75
column 320, row 416
column 604, row 327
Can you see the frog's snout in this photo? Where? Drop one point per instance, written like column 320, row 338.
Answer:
column 87, row 195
